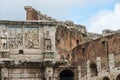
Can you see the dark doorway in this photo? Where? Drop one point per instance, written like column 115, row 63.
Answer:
column 106, row 78
column 118, row 77
column 66, row 75
column 93, row 68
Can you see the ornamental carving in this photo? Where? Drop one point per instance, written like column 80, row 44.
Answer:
column 15, row 38
column 31, row 38
column 4, row 39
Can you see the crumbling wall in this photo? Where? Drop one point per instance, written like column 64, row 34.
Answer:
column 95, row 71
column 109, row 32
column 67, row 39
column 93, row 36
column 101, row 47
column 68, row 34
column 33, row 14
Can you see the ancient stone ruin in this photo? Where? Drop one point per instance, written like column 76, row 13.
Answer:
column 43, row 48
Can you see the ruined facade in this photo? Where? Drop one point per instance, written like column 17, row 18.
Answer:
column 68, row 34
column 107, row 32
column 43, row 48
column 28, row 51
column 93, row 36
column 38, row 49
column 99, row 59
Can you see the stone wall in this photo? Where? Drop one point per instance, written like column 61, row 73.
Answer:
column 110, row 32
column 99, row 47
column 68, row 38
column 27, row 49
column 107, row 48
column 17, row 73
column 33, row 14
column 26, row 41
column 113, row 73
column 93, row 36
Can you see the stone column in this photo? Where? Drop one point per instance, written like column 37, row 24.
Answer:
column 23, row 35
column 55, row 75
column 88, row 69
column 98, row 61
column 111, row 63
column 49, row 73
column 4, row 73
column 79, row 73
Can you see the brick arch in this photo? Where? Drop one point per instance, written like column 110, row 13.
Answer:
column 104, row 39
column 60, row 70
column 118, row 77
column 66, row 74
column 73, row 69
column 106, row 78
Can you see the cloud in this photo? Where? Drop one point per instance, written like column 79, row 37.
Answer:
column 14, row 9
column 64, row 10
column 105, row 19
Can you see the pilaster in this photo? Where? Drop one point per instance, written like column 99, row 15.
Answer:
column 98, row 61
column 88, row 69
column 5, row 74
column 111, row 63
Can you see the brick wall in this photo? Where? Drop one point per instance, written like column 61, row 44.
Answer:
column 99, row 47
column 31, row 14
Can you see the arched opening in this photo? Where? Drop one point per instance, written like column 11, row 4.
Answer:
column 106, row 78
column 93, row 68
column 118, row 77
column 67, row 75
column 77, row 42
